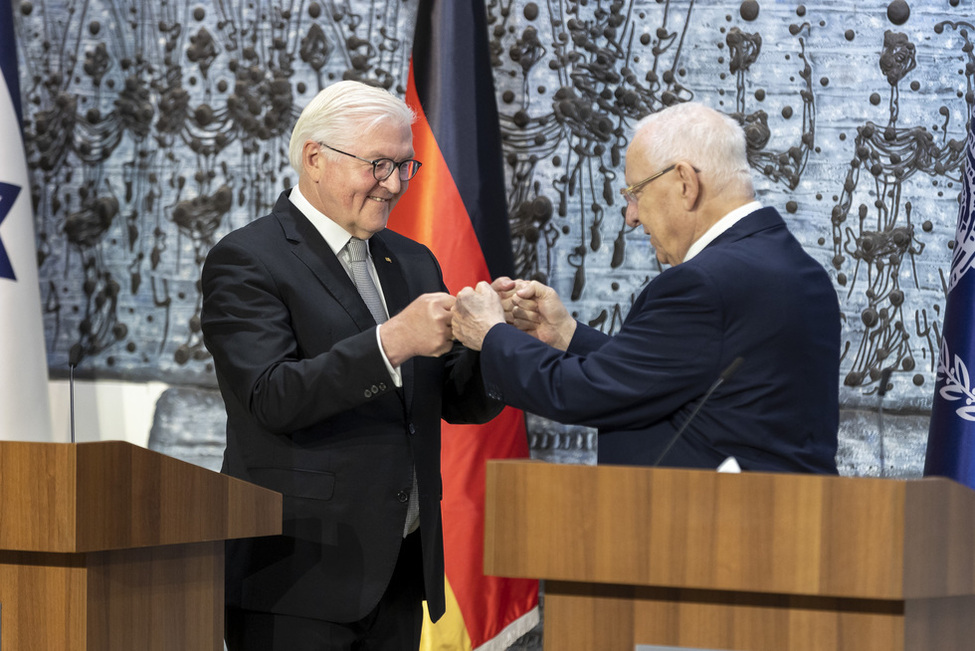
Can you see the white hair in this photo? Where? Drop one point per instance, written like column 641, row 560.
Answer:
column 340, row 113
column 712, row 142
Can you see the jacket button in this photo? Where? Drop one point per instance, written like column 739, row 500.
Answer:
column 367, row 394
column 403, row 496
column 412, row 429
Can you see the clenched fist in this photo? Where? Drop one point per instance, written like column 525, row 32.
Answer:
column 421, row 329
column 476, row 311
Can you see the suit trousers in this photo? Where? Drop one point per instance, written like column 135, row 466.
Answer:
column 393, row 625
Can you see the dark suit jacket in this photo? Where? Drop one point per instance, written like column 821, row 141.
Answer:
column 753, row 293
column 313, row 413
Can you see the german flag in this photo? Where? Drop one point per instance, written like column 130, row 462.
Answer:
column 457, row 207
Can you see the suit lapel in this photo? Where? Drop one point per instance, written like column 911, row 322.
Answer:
column 392, row 277
column 308, row 246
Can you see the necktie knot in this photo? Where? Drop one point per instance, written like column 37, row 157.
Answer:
column 357, row 249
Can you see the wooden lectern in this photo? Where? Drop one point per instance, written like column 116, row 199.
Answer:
column 111, row 547
column 752, row 562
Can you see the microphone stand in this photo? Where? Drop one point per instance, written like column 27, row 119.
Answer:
column 71, row 398
column 727, row 373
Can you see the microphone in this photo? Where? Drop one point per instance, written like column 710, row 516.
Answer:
column 881, row 392
column 74, row 356
column 727, row 373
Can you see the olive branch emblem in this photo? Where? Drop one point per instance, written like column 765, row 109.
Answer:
column 957, row 383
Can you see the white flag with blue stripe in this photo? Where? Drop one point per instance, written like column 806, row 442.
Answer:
column 24, row 400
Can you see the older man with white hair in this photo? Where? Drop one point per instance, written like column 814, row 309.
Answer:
column 738, row 286
column 332, row 347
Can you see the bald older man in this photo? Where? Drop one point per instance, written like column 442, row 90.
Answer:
column 739, row 285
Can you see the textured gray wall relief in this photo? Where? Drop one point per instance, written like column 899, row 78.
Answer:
column 154, row 128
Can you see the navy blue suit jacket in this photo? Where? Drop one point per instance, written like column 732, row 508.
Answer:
column 313, row 413
column 752, row 293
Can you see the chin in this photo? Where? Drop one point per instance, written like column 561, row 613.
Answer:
column 379, row 224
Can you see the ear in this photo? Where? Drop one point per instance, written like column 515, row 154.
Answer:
column 690, row 185
column 312, row 159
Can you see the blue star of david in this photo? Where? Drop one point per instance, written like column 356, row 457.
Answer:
column 8, row 195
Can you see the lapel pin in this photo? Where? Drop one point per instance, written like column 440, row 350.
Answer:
column 388, row 260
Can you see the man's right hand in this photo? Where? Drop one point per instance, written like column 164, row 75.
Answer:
column 421, row 329
column 537, row 309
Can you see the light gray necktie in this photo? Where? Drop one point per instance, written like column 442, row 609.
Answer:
column 358, row 260
column 370, row 295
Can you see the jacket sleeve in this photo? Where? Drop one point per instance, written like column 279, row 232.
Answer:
column 665, row 352
column 465, row 398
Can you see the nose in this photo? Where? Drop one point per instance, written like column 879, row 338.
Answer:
column 393, row 183
column 632, row 214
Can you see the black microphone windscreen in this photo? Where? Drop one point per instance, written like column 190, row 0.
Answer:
column 75, row 355
column 884, row 381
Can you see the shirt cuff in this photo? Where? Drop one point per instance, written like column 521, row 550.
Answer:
column 394, row 373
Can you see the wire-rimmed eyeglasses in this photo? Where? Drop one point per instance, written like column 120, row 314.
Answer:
column 382, row 168
column 629, row 192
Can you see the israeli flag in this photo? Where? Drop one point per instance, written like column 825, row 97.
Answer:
column 24, row 399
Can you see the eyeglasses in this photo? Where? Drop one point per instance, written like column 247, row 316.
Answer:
column 382, row 168
column 629, row 192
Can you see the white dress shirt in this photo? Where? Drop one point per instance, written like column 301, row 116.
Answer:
column 721, row 226
column 337, row 237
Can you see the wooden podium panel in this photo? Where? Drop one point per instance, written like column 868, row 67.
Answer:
column 107, row 546
column 152, row 598
column 751, row 562
column 80, row 497
column 608, row 617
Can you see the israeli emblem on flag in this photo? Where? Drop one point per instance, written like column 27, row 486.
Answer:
column 8, row 195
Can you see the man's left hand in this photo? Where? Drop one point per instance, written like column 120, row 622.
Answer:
column 476, row 311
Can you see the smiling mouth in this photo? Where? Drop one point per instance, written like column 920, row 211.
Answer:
column 379, row 199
